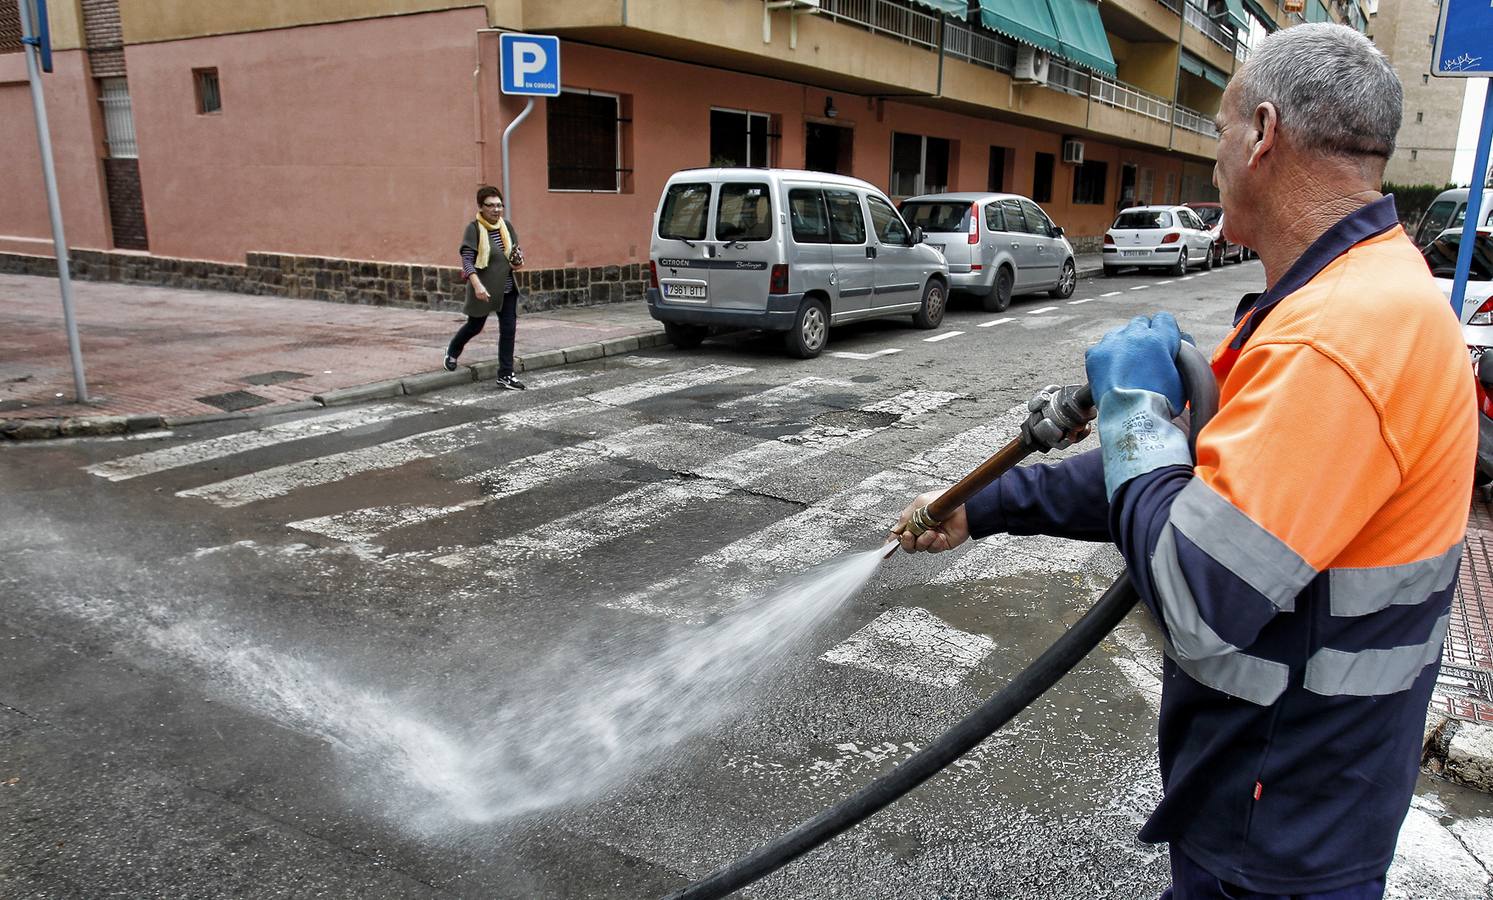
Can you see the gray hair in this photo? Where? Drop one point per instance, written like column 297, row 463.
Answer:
column 1333, row 89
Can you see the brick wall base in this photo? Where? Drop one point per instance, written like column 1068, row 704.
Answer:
column 341, row 280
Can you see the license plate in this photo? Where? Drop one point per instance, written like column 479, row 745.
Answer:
column 938, row 247
column 1136, row 253
column 685, row 291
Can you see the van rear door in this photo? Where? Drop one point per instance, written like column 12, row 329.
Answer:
column 746, row 244
column 680, row 249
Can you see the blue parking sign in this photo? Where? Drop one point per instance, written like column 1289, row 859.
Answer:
column 1464, row 39
column 529, row 64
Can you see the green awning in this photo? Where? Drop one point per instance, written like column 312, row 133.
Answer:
column 1316, row 12
column 1237, row 13
column 1081, row 34
column 1216, row 77
column 1266, row 20
column 952, row 7
column 1192, row 64
column 1027, row 21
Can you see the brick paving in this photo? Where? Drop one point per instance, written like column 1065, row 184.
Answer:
column 1465, row 688
column 153, row 350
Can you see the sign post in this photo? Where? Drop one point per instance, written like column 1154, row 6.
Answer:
column 1464, row 49
column 38, row 44
column 529, row 65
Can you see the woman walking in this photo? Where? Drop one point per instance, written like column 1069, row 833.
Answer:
column 489, row 254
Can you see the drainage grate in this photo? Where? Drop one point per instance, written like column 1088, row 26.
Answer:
column 279, row 376
column 233, row 401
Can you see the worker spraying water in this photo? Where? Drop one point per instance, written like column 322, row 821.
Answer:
column 1300, row 561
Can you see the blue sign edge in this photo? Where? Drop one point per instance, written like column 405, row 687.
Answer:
column 1436, row 51
column 508, row 36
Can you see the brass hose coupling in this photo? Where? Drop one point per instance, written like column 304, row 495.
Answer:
column 1059, row 417
column 920, row 522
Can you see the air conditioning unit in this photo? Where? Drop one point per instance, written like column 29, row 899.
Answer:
column 1073, row 152
column 1031, row 65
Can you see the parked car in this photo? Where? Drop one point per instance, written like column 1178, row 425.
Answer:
column 1223, row 248
column 997, row 245
column 1477, row 324
column 1449, row 210
column 1167, row 237
column 785, row 250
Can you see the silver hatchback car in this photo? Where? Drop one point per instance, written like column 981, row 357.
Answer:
column 997, row 245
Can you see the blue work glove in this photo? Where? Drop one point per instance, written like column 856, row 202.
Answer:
column 1133, row 376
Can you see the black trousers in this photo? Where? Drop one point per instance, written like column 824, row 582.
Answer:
column 507, row 329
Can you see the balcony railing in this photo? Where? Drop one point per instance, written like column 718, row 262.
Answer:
column 1194, row 121
column 885, row 18
column 1065, row 78
column 1124, row 96
column 988, row 50
column 1212, row 28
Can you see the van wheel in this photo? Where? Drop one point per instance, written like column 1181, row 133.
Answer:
column 999, row 298
column 934, row 301
column 1066, row 284
column 1181, row 267
column 810, row 331
column 685, row 337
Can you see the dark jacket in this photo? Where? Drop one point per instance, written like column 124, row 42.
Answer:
column 494, row 277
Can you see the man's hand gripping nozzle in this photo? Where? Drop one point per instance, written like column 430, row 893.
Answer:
column 1058, row 417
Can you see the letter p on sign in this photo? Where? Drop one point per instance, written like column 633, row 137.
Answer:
column 529, row 64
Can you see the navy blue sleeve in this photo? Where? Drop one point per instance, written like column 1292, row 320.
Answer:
column 1064, row 499
column 1140, row 511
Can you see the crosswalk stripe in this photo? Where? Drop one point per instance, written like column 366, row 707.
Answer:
column 784, row 394
column 941, row 337
column 541, row 382
column 281, row 480
column 847, row 354
column 575, row 533
column 127, row 467
column 913, row 644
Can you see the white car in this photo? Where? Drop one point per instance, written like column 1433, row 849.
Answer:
column 1165, row 237
column 1477, row 302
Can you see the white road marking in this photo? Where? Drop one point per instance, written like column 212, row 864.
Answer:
column 1112, row 294
column 913, row 644
column 196, row 452
column 792, row 392
column 280, row 480
column 541, row 382
column 941, row 337
column 1185, row 278
column 1168, row 281
column 1077, row 302
column 846, row 354
column 1140, row 287
column 1038, row 312
column 644, row 362
column 994, row 322
column 604, row 522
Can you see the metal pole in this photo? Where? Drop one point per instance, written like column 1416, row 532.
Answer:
column 54, row 207
column 1474, row 204
column 508, row 195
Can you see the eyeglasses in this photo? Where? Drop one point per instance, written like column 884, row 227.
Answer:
column 492, row 206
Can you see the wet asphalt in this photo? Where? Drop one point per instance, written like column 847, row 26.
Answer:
column 198, row 700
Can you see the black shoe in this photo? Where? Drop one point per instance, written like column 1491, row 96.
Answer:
column 509, row 383
column 450, row 364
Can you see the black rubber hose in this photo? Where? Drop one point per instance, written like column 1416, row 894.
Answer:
column 1033, row 681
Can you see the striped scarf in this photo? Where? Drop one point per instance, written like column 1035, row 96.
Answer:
column 484, row 248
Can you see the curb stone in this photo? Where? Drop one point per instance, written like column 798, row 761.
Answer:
column 407, row 385
column 1459, row 751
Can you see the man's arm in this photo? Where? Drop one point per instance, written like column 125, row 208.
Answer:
column 1064, row 499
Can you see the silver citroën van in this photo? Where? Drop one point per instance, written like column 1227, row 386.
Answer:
column 785, row 250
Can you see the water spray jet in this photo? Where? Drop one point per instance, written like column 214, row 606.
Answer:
column 1058, row 417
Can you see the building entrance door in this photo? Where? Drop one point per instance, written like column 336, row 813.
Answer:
column 827, row 148
column 1127, row 185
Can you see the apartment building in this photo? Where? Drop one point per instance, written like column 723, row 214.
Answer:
column 331, row 150
column 1405, row 30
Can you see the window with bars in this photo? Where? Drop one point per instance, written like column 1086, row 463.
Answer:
column 586, row 131
column 119, row 118
column 741, row 138
column 209, row 100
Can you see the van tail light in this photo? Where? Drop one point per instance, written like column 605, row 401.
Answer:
column 652, row 274
column 779, row 283
column 1109, row 238
column 1484, row 314
column 974, row 223
column 1171, row 238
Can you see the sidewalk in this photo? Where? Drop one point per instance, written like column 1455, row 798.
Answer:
column 169, row 354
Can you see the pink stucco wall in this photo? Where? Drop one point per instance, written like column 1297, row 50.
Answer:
column 24, row 225
column 671, row 130
column 347, row 140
